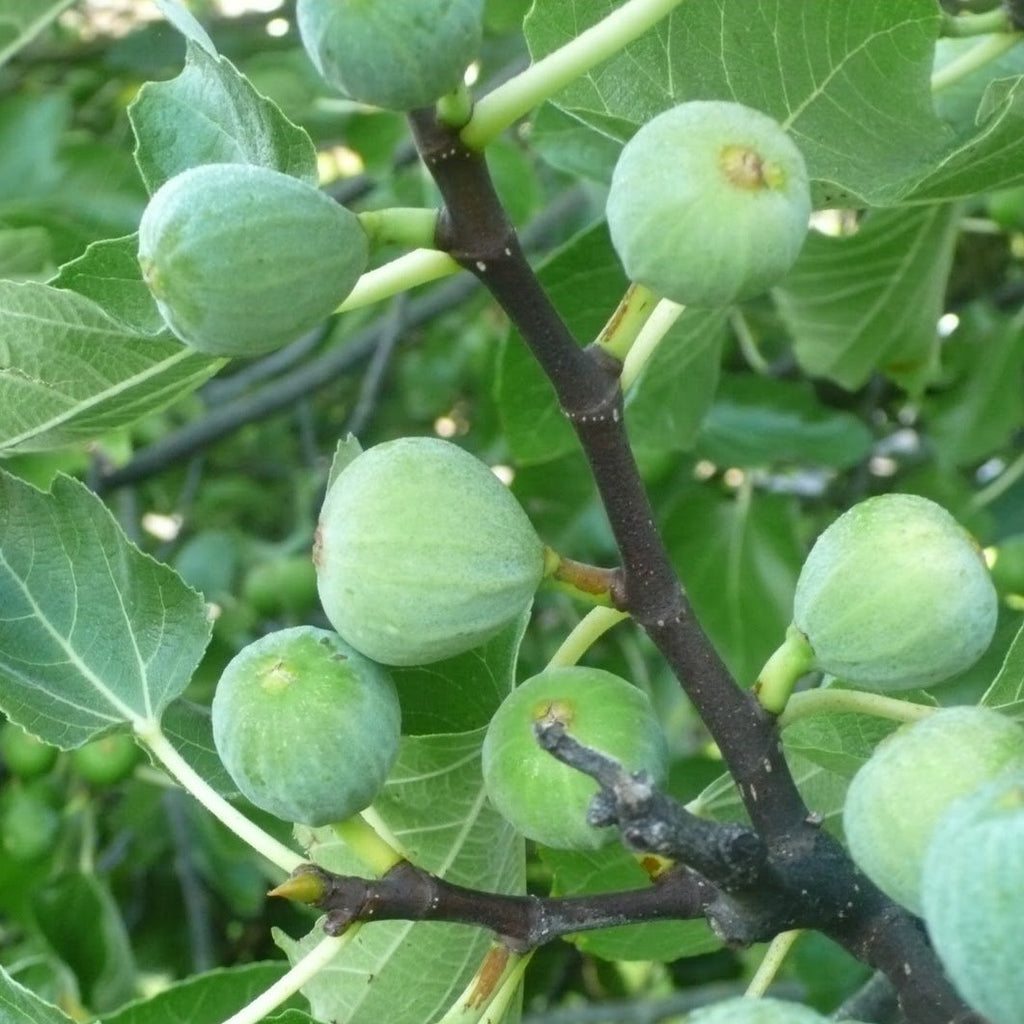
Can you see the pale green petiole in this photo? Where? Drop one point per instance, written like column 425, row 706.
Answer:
column 410, row 226
column 633, row 311
column 782, row 670
column 456, row 108
column 588, row 630
column 832, row 701
column 486, row 999
column 518, row 96
column 977, row 57
column 306, row 969
column 657, row 325
column 769, row 966
column 959, row 25
column 150, row 734
column 367, row 844
column 408, row 271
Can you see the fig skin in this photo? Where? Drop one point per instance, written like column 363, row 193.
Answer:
column 895, row 595
column 546, row 800
column 709, row 203
column 108, row 760
column 399, row 55
column 306, row 726
column 23, row 754
column 973, row 900
column 741, row 1010
column 912, row 779
column 422, row 553
column 242, row 259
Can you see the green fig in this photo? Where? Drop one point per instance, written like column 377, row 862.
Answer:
column 400, row 55
column 242, row 259
column 974, row 899
column 743, row 1010
column 895, row 595
column 914, row 776
column 23, row 754
column 108, row 760
column 306, row 726
column 422, row 553
column 709, row 203
column 545, row 799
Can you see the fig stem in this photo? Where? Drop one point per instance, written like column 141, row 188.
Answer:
column 411, row 227
column 625, row 324
column 414, row 268
column 485, row 1000
column 589, row 582
column 778, row 950
column 151, row 735
column 456, row 108
column 984, row 52
column 367, row 844
column 519, row 95
column 782, row 670
column 830, row 701
column 584, row 635
column 748, row 344
column 290, row 983
column 658, row 324
column 985, row 22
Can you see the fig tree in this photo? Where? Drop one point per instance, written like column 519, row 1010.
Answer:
column 545, row 799
column 306, row 726
column 895, row 595
column 422, row 553
column 973, row 899
column 243, row 259
column 709, row 203
column 400, row 55
column 914, row 776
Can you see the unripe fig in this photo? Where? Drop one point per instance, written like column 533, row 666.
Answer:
column 545, row 799
column 422, row 553
column 28, row 824
column 709, row 203
column 741, row 1010
column 974, row 900
column 895, row 595
column 911, row 780
column 107, row 760
column 243, row 259
column 401, row 55
column 307, row 727
column 283, row 586
column 23, row 754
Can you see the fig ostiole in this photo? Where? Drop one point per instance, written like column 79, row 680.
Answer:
column 973, row 898
column 546, row 800
column 243, row 259
column 422, row 553
column 912, row 779
column 709, row 203
column 306, row 726
column 895, row 595
column 399, row 55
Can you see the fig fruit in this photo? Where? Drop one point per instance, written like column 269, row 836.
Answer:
column 29, row 824
column 709, row 203
column 284, row 586
column 23, row 754
column 306, row 726
column 243, row 259
column 914, row 776
column 895, row 595
column 741, row 1010
column 973, row 900
column 400, row 55
column 545, row 799
column 422, row 553
column 107, row 760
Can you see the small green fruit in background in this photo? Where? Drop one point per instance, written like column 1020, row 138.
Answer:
column 913, row 777
column 400, row 55
column 282, row 586
column 974, row 898
column 741, row 1010
column 307, row 727
column 242, row 260
column 108, row 760
column 422, row 553
column 895, row 595
column 23, row 754
column 709, row 203
column 28, row 823
column 1006, row 208
column 545, row 799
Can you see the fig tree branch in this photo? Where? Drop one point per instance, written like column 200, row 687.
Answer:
column 814, row 883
